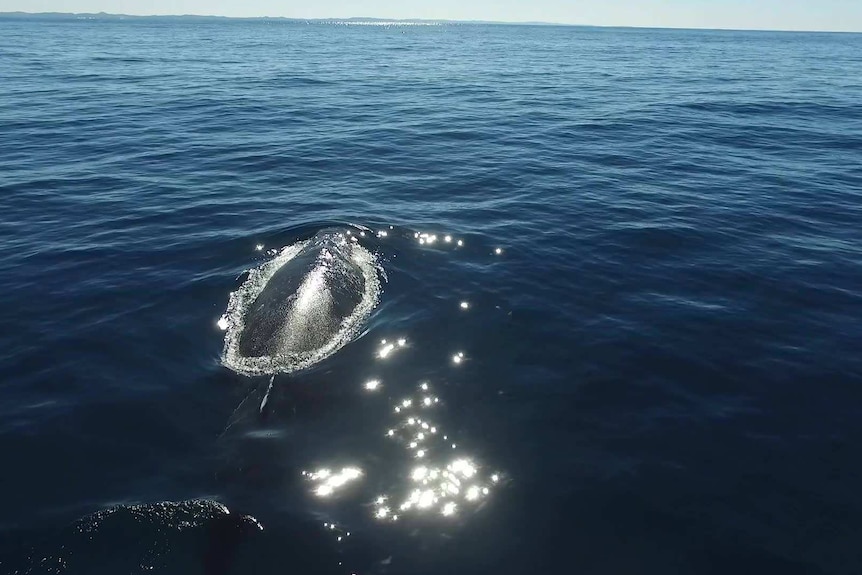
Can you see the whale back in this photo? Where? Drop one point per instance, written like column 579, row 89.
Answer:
column 305, row 303
column 301, row 307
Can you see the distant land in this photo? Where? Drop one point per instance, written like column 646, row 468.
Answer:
column 360, row 20
column 353, row 19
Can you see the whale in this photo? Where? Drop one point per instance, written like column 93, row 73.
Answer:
column 198, row 536
column 306, row 300
column 301, row 307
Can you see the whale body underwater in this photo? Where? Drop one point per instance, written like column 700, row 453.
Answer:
column 302, row 306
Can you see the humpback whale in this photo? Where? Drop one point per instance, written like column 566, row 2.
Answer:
column 302, row 306
column 198, row 536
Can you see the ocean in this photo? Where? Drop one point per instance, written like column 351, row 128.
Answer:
column 617, row 332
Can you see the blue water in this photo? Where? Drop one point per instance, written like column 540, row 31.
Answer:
column 661, row 257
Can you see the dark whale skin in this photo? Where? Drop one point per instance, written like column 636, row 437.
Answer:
column 304, row 304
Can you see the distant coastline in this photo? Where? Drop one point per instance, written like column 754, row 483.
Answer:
column 372, row 20
column 352, row 19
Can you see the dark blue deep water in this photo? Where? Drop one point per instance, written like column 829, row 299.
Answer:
column 661, row 367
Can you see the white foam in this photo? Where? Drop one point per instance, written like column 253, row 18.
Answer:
column 241, row 300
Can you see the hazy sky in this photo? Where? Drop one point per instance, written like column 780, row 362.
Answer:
column 761, row 14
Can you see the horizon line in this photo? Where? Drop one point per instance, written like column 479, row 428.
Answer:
column 422, row 20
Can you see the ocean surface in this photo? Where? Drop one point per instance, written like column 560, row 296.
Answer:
column 620, row 277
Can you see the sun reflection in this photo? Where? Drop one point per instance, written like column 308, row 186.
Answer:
column 441, row 480
column 328, row 482
column 387, row 347
column 463, row 466
column 441, row 483
column 498, row 251
column 465, row 305
column 439, row 487
column 372, row 385
column 425, row 238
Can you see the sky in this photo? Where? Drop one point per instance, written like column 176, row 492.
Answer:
column 839, row 15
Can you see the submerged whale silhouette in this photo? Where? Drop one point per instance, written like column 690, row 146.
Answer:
column 307, row 309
